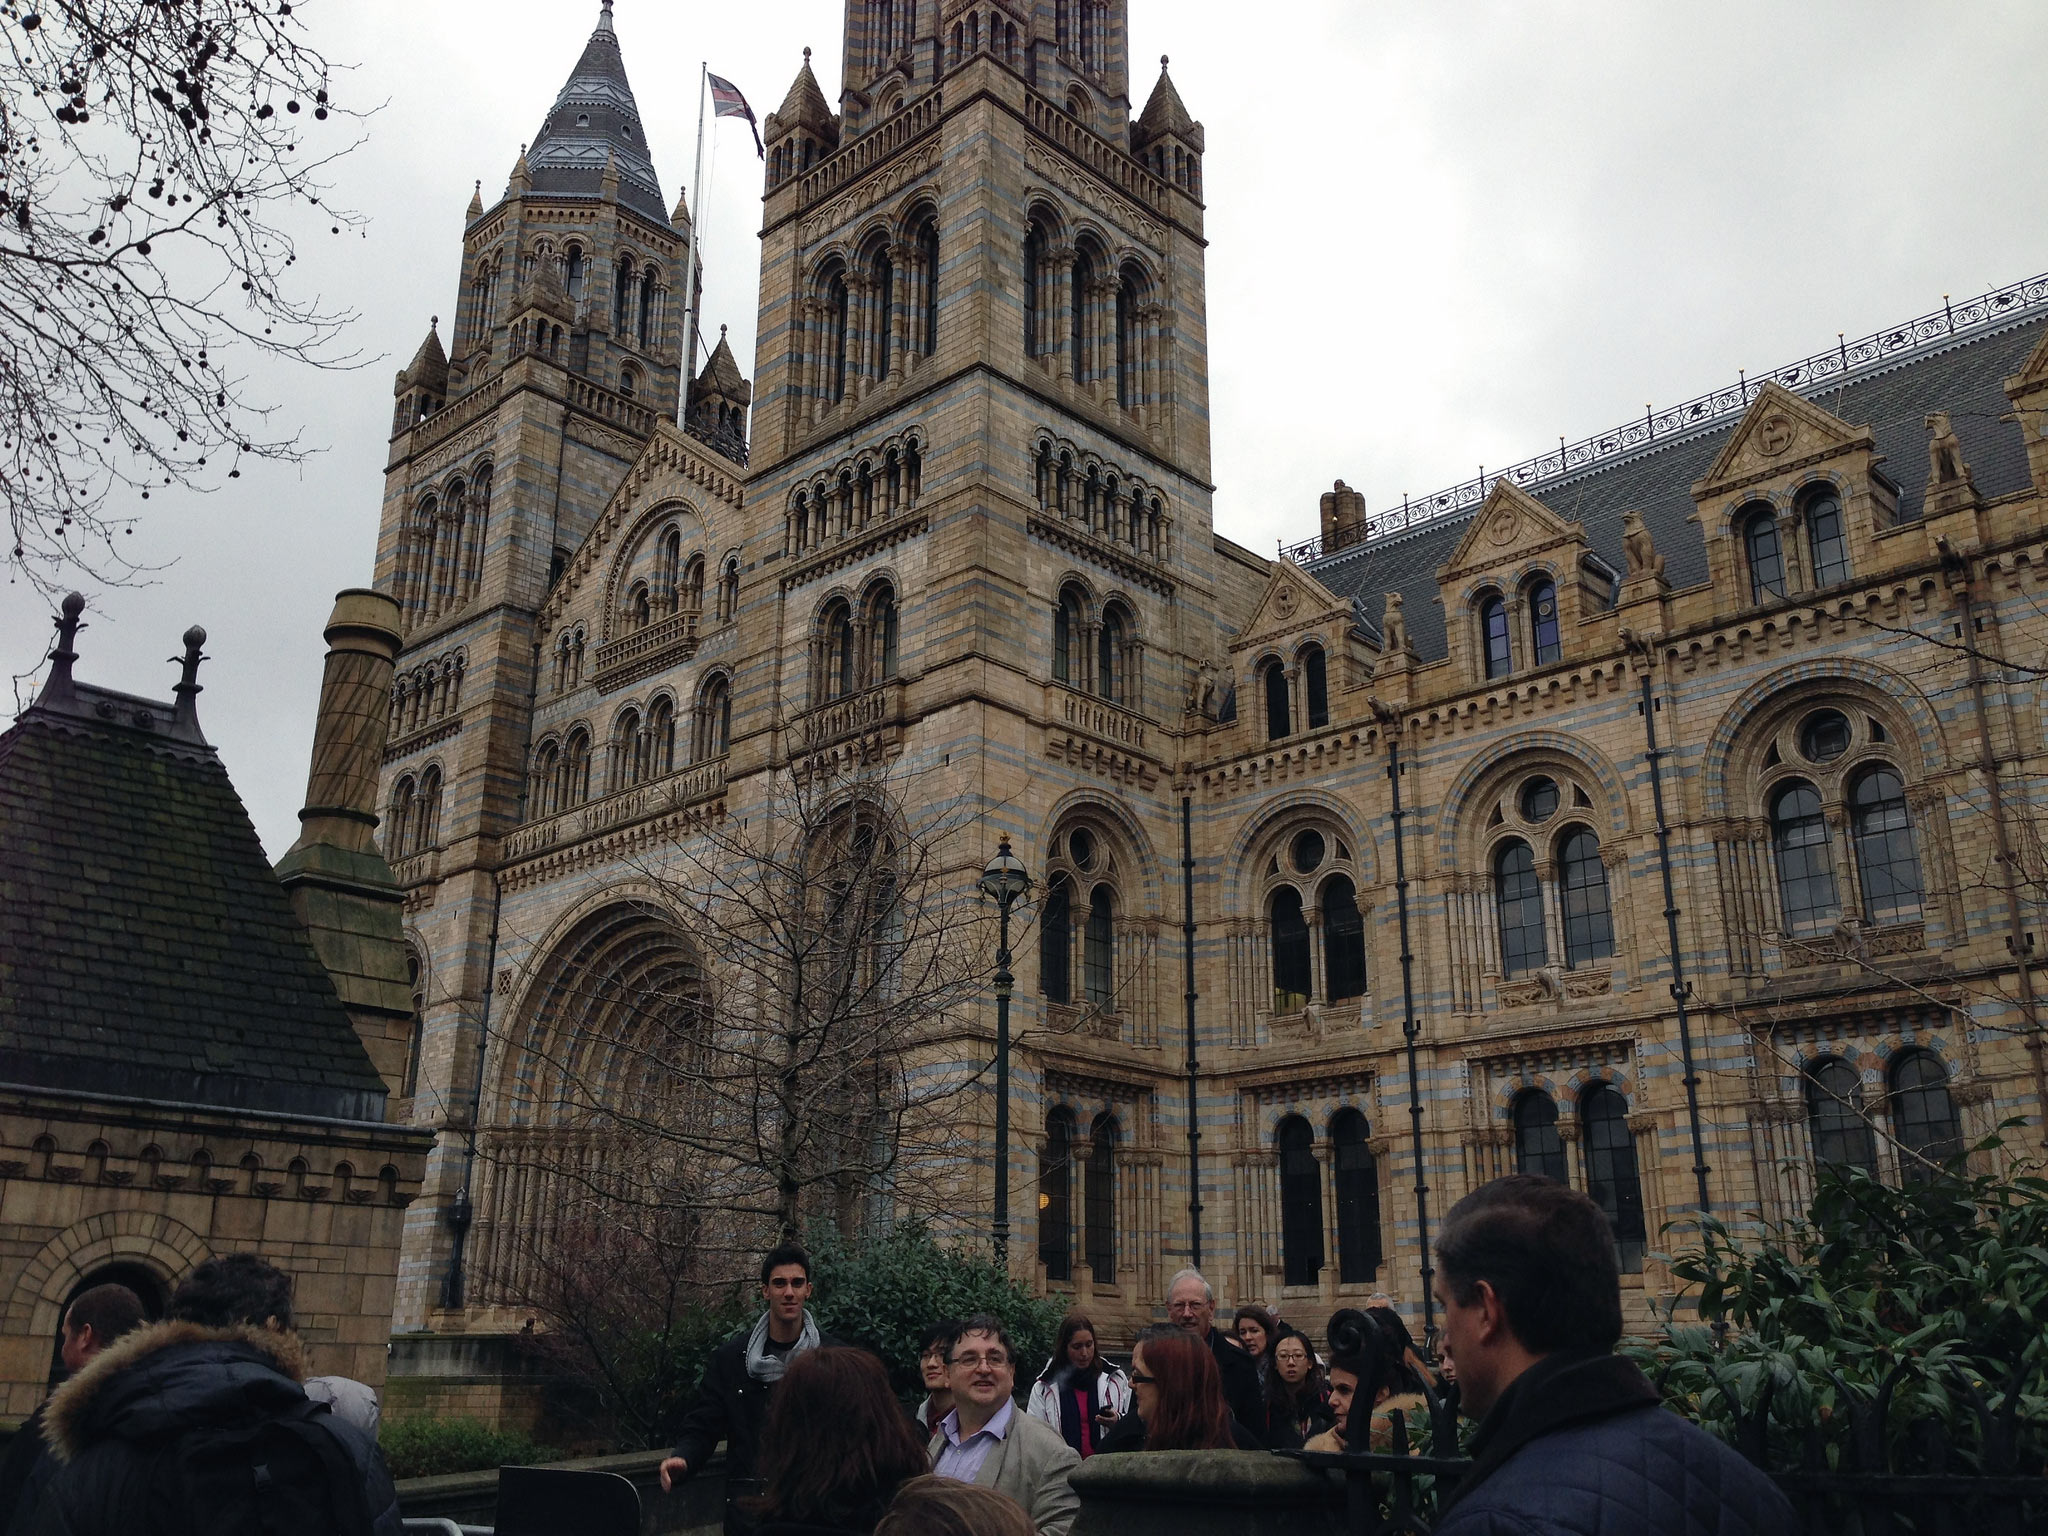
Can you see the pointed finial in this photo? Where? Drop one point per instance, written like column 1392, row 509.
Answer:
column 188, row 689
column 807, row 56
column 604, row 18
column 721, row 333
column 58, row 688
column 434, row 324
column 1163, row 62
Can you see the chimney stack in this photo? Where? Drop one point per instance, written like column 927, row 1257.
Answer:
column 355, row 713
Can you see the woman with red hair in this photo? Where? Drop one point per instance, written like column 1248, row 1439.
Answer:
column 1177, row 1395
column 835, row 1449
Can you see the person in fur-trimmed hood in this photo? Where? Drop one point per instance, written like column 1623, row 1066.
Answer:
column 200, row 1423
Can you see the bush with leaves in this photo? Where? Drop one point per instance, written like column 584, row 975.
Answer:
column 885, row 1292
column 1885, row 1312
column 425, row 1446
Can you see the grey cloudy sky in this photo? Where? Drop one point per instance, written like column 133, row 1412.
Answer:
column 1441, row 236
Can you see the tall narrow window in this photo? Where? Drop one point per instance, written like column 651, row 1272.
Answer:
column 1034, row 291
column 882, row 634
column 1343, row 939
column 885, row 315
column 1291, row 974
column 1357, row 1177
column 572, row 275
column 1493, row 633
column 1611, row 1176
column 415, row 977
column 1538, row 1147
column 1098, row 952
column 1301, row 1203
column 1766, row 556
column 1279, row 725
column 839, row 652
column 622, row 298
column 661, row 738
column 1126, row 314
column 1519, row 896
column 647, row 301
column 1056, row 1197
column 1543, row 628
column 1315, row 682
column 1101, row 1201
column 840, row 299
column 1056, row 943
column 1885, row 856
column 1588, row 917
column 1806, row 867
column 628, row 759
column 1827, row 539
column 1111, row 642
column 1923, row 1114
column 1066, row 639
column 1077, row 320
column 928, row 246
column 1842, row 1138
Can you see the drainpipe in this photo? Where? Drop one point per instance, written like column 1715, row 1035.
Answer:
column 1187, row 877
column 2016, row 940
column 1410, row 1029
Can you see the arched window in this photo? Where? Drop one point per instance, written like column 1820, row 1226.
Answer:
column 415, row 981
column 1066, row 636
column 1519, row 896
column 427, row 819
column 1082, row 283
column 661, row 738
column 1842, row 1138
column 1100, row 1198
column 543, row 785
column 1357, row 1178
column 1923, row 1113
column 640, row 605
column 398, row 835
column 838, row 651
column 628, row 757
column 1315, row 682
column 647, row 304
column 882, row 633
column 714, row 720
column 1056, row 943
column 572, row 272
column 1588, row 917
column 729, row 592
column 1766, row 557
column 1129, row 352
column 1301, row 1203
column 692, row 594
column 928, row 261
column 1056, row 1197
column 1098, row 958
column 669, row 569
column 1611, row 1176
column 1292, row 981
column 1493, row 636
column 622, row 299
column 1111, row 644
column 1343, row 939
column 1034, row 291
column 1538, row 1147
column 1279, row 723
column 575, row 774
column 1885, row 856
column 1543, row 630
column 882, row 284
column 1827, row 539
column 838, row 318
column 1806, row 866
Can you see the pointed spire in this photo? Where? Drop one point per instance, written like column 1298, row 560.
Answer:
column 805, row 106
column 604, row 19
column 476, row 203
column 680, row 218
column 429, row 365
column 596, row 119
column 58, row 689
column 722, row 374
column 522, row 176
column 1166, row 114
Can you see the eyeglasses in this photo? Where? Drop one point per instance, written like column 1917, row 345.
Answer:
column 1140, row 1379
column 994, row 1362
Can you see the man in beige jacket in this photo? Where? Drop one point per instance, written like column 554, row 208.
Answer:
column 987, row 1440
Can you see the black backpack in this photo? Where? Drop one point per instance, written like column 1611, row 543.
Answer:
column 290, row 1475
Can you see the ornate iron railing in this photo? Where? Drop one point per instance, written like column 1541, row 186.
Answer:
column 730, row 444
column 1809, row 375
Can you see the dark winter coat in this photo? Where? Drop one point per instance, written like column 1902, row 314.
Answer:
column 1581, row 1445
column 1241, row 1386
column 105, row 1425
column 23, row 1471
column 731, row 1406
column 1128, row 1434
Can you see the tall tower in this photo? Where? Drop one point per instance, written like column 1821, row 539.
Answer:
column 567, row 356
column 982, row 268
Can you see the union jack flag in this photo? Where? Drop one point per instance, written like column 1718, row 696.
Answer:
column 726, row 101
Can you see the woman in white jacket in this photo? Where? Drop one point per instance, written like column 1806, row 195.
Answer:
column 1079, row 1393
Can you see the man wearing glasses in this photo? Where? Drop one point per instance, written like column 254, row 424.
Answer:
column 986, row 1441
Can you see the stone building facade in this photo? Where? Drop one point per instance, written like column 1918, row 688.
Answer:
column 1395, row 794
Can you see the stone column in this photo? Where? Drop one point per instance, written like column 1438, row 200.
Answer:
column 814, row 364
column 1062, row 261
column 904, row 262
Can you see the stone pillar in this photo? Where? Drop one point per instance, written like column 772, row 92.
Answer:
column 343, row 891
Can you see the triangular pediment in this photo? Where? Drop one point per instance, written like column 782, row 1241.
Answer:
column 1293, row 602
column 2034, row 375
column 1780, row 431
column 1510, row 523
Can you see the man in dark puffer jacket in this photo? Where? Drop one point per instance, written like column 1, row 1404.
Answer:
column 1573, row 1440
column 226, row 1358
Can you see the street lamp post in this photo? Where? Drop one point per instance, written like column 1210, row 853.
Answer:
column 1004, row 882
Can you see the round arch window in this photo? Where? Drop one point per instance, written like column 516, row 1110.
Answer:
column 1308, row 851
column 1824, row 736
column 1081, row 848
column 1540, row 799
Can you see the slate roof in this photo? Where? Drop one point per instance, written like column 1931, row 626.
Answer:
column 1964, row 377
column 146, row 949
column 596, row 120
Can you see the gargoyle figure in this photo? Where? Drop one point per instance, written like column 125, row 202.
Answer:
column 1394, row 627
column 1945, row 454
column 1639, row 547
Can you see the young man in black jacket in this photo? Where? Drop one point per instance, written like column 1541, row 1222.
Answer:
column 1572, row 1437
column 95, row 1319
column 732, row 1401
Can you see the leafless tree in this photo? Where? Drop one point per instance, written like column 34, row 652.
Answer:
column 151, row 155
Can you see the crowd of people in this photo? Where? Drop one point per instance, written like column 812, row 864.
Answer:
column 206, row 1421
column 1565, row 1435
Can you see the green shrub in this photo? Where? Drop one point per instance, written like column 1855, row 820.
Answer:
column 885, row 1292
column 431, row 1447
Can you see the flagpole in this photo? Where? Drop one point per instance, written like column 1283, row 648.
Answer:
column 691, row 297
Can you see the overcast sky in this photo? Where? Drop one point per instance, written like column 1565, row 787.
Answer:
column 1441, row 235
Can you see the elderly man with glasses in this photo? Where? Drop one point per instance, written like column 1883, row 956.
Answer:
column 986, row 1441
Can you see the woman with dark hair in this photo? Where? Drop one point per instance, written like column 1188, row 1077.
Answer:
column 1297, row 1409
column 1368, row 1383
column 1079, row 1393
column 1255, row 1330
column 835, row 1449
column 1415, row 1371
column 1177, row 1393
column 940, row 1506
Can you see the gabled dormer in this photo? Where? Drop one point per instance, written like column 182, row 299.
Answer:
column 1795, row 503
column 1300, row 647
column 1518, row 586
column 2028, row 391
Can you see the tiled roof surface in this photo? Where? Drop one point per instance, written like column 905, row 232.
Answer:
column 596, row 120
column 1965, row 379
column 146, row 949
